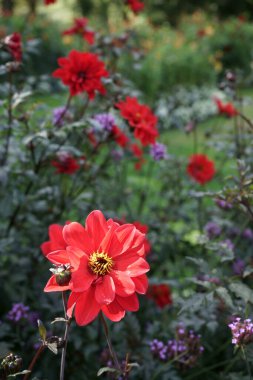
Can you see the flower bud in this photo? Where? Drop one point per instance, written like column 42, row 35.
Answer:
column 11, row 364
column 62, row 274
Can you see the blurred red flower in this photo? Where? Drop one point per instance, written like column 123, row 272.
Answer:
column 119, row 136
column 136, row 150
column 80, row 28
column 82, row 72
column 226, row 108
column 13, row 45
column 141, row 118
column 65, row 164
column 136, row 5
column 104, row 268
column 161, row 294
column 48, row 2
column 55, row 241
column 200, row 168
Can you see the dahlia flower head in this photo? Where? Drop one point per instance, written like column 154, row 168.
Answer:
column 102, row 264
column 82, row 72
column 201, row 168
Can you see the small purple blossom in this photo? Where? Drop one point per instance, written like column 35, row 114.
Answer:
column 238, row 267
column 242, row 331
column 228, row 244
column 248, row 234
column 212, row 230
column 105, row 120
column 158, row 151
column 223, row 204
column 18, row 312
column 33, row 317
column 59, row 115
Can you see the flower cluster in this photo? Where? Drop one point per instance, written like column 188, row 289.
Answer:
column 212, row 230
column 13, row 44
column 200, row 168
column 141, row 118
column 160, row 294
column 82, row 72
column 242, row 331
column 80, row 28
column 60, row 115
column 18, row 312
column 184, row 350
column 101, row 264
column 158, row 151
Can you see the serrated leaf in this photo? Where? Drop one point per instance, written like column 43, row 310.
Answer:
column 242, row 291
column 106, row 369
column 225, row 296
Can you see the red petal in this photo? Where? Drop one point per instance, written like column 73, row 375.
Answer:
column 58, row 257
column 75, row 235
column 86, row 308
column 82, row 278
column 133, row 268
column 113, row 311
column 72, row 303
column 141, row 284
column 96, row 227
column 46, row 248
column 124, row 285
column 105, row 290
column 130, row 303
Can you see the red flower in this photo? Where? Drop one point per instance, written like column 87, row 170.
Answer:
column 144, row 229
column 136, row 150
column 65, row 164
column 226, row 108
column 103, row 266
column 13, row 45
column 161, row 294
column 136, row 5
column 119, row 136
column 82, row 72
column 48, row 2
column 141, row 118
column 80, row 28
column 201, row 168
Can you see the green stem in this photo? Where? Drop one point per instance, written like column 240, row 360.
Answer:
column 34, row 360
column 66, row 335
column 107, row 335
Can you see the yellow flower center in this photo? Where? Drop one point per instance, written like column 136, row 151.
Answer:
column 100, row 263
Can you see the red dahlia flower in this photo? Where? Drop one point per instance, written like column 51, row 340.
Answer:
column 226, row 108
column 161, row 294
column 80, row 28
column 141, row 118
column 200, row 168
column 136, row 5
column 65, row 164
column 103, row 266
column 13, row 45
column 82, row 72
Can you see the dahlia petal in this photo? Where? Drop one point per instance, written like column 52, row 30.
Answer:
column 96, row 227
column 52, row 286
column 133, row 267
column 108, row 239
column 75, row 255
column 141, row 284
column 82, row 278
column 124, row 285
column 121, row 240
column 130, row 303
column 55, row 232
column 114, row 311
column 58, row 257
column 87, row 307
column 75, row 235
column 72, row 303
column 105, row 291
column 46, row 248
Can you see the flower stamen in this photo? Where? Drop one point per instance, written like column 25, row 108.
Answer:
column 100, row 263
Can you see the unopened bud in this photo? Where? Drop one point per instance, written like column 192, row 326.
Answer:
column 11, row 364
column 62, row 274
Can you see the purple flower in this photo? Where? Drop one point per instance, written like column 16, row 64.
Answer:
column 228, row 244
column 238, row 267
column 158, row 151
column 212, row 230
column 242, row 331
column 105, row 120
column 60, row 115
column 33, row 317
column 248, row 234
column 18, row 312
column 223, row 204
